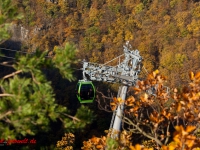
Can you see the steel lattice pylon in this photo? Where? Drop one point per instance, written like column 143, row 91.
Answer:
column 125, row 72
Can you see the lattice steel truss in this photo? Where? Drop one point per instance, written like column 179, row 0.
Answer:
column 125, row 72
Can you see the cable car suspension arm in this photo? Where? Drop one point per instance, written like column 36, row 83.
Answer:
column 125, row 72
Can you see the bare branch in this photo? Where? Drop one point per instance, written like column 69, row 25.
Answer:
column 2, row 89
column 142, row 132
column 6, row 64
column 6, row 114
column 6, row 94
column 34, row 78
column 72, row 117
column 105, row 104
column 12, row 74
column 167, row 139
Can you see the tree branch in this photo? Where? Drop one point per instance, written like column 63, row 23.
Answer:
column 167, row 139
column 34, row 79
column 74, row 118
column 12, row 74
column 6, row 94
column 6, row 114
column 142, row 132
column 6, row 64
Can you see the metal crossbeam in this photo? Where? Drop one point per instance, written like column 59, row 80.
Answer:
column 125, row 72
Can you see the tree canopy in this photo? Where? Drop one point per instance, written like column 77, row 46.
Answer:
column 159, row 29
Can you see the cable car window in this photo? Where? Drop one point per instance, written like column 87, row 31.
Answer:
column 86, row 92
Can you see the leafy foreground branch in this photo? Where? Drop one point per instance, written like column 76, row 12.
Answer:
column 27, row 99
column 165, row 119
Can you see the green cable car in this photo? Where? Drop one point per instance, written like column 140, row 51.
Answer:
column 85, row 91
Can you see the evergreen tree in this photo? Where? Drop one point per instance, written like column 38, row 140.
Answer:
column 27, row 99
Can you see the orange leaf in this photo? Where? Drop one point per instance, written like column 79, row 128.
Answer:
column 190, row 141
column 115, row 99
column 178, row 107
column 131, row 99
column 113, row 108
column 181, row 130
column 175, row 90
column 150, row 76
column 197, row 76
column 137, row 90
column 190, row 128
column 152, row 118
column 131, row 147
column 172, row 146
column 99, row 146
column 176, row 138
column 137, row 147
column 112, row 104
column 94, row 140
column 164, row 147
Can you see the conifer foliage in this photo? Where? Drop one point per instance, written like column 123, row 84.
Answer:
column 27, row 100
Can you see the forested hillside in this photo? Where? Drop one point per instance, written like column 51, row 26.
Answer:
column 165, row 32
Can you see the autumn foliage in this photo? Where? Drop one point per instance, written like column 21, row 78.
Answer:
column 166, row 32
column 162, row 118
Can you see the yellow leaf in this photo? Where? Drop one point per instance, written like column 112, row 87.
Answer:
column 119, row 100
column 191, row 75
column 155, row 73
column 146, row 96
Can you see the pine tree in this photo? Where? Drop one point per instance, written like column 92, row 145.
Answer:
column 27, row 99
